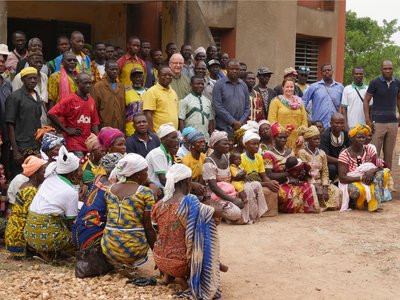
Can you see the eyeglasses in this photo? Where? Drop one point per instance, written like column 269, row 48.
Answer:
column 176, row 63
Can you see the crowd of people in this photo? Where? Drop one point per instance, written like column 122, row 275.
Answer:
column 110, row 154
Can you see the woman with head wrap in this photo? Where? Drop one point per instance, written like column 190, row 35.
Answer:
column 112, row 139
column 51, row 144
column 264, row 130
column 289, row 109
column 184, row 148
column 329, row 196
column 91, row 167
column 161, row 159
column 217, row 176
column 292, row 198
column 259, row 189
column 33, row 168
column 238, row 136
column 55, row 207
column 128, row 232
column 362, row 178
column 195, row 160
column 187, row 248
column 89, row 225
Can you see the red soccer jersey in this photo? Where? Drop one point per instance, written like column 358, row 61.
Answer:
column 76, row 112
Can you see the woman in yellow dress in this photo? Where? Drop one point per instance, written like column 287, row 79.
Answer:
column 288, row 109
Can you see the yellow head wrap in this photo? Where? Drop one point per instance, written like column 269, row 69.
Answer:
column 28, row 70
column 359, row 128
column 239, row 133
column 311, row 131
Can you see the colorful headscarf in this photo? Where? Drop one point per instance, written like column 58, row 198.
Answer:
column 187, row 130
column 127, row 166
column 31, row 164
column 175, row 174
column 108, row 135
column 311, row 131
column 194, row 136
column 276, row 129
column 239, row 133
column 109, row 161
column 359, row 128
column 92, row 143
column 49, row 141
column 216, row 136
column 41, row 131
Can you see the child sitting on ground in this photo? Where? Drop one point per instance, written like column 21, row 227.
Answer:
column 238, row 174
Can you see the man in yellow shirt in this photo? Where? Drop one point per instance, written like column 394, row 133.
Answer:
column 160, row 102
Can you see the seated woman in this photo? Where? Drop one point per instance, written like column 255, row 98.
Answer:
column 264, row 189
column 55, row 207
column 264, row 130
column 91, row 167
column 128, row 232
column 217, row 175
column 187, row 248
column 33, row 168
column 51, row 144
column 238, row 140
column 362, row 179
column 292, row 198
column 329, row 196
column 195, row 160
column 89, row 225
column 112, row 139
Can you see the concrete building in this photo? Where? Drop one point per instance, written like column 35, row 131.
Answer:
column 276, row 34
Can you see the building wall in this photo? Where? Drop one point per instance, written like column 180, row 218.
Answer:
column 3, row 22
column 264, row 37
column 108, row 20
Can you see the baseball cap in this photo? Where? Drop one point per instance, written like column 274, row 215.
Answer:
column 136, row 70
column 289, row 70
column 264, row 70
column 213, row 62
column 303, row 70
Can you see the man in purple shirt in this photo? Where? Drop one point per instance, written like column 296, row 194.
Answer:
column 231, row 99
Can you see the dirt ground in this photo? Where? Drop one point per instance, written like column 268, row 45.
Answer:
column 332, row 255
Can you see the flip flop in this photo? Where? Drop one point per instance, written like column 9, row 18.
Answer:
column 143, row 281
column 185, row 294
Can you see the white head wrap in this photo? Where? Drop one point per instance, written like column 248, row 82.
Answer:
column 251, row 126
column 127, row 166
column 65, row 163
column 175, row 174
column 166, row 129
column 250, row 135
column 262, row 122
column 199, row 50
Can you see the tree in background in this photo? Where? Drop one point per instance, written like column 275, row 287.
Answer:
column 368, row 44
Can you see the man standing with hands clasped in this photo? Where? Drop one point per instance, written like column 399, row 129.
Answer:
column 386, row 93
column 231, row 100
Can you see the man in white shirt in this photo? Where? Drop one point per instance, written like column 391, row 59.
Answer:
column 352, row 99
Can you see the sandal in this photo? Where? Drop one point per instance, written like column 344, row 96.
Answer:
column 143, row 281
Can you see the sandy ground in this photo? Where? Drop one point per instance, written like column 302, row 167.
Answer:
column 332, row 255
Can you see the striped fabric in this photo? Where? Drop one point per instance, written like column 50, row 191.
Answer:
column 202, row 246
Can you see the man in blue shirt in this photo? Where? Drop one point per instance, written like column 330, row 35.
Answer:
column 325, row 96
column 386, row 93
column 143, row 140
column 231, row 100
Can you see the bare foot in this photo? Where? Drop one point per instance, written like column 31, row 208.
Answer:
column 223, row 268
column 182, row 282
column 167, row 279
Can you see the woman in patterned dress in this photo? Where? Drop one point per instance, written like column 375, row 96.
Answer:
column 128, row 233
column 33, row 168
column 329, row 195
column 293, row 197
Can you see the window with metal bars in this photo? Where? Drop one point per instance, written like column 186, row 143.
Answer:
column 307, row 55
